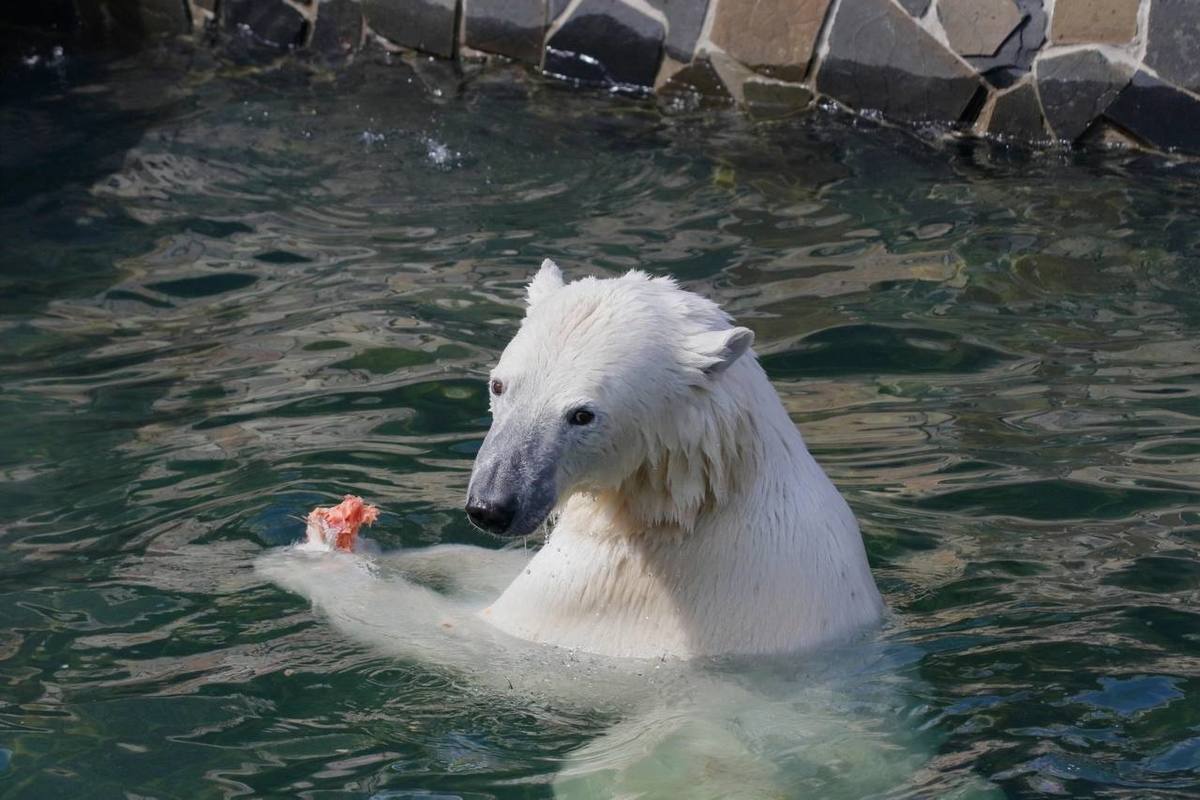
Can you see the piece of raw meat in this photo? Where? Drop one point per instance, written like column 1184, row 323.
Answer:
column 337, row 527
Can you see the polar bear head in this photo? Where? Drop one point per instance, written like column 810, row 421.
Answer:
column 618, row 387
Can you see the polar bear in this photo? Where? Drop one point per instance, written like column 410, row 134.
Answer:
column 692, row 519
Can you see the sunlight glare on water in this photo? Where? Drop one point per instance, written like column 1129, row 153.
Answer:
column 227, row 298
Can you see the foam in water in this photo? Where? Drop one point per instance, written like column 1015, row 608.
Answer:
column 439, row 154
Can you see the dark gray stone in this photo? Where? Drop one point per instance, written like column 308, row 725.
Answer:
column 262, row 24
column 555, row 8
column 915, row 7
column 1014, row 58
column 164, row 17
column 685, row 19
column 1173, row 43
column 441, row 77
column 606, row 42
column 879, row 58
column 426, row 25
column 338, row 30
column 1158, row 113
column 58, row 16
column 1109, row 135
column 1018, row 114
column 121, row 20
column 1076, row 88
column 513, row 28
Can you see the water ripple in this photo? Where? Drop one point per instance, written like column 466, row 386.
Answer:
column 254, row 309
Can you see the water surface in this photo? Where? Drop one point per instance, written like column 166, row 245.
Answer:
column 228, row 296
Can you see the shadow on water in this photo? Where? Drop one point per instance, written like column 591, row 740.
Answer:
column 75, row 96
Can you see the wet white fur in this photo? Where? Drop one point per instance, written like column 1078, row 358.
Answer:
column 695, row 522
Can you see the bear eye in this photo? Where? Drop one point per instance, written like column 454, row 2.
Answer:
column 581, row 416
column 496, row 386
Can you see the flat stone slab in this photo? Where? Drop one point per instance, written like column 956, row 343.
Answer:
column 685, row 21
column 338, row 31
column 606, row 42
column 771, row 99
column 1094, row 21
column 1012, row 61
column 203, row 13
column 879, row 58
column 163, row 17
column 1018, row 114
column 1173, row 43
column 915, row 7
column 733, row 74
column 426, row 25
column 266, row 23
column 136, row 19
column 775, row 37
column 1078, row 87
column 978, row 27
column 1158, row 113
column 696, row 86
column 513, row 28
column 555, row 8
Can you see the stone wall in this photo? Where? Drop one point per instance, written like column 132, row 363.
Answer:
column 1025, row 70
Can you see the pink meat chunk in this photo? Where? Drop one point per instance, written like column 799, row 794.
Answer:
column 338, row 525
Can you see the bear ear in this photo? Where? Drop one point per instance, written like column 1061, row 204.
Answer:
column 715, row 351
column 548, row 280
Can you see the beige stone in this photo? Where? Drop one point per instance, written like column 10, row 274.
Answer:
column 667, row 70
column 776, row 37
column 984, row 120
column 733, row 74
column 767, row 98
column 978, row 27
column 203, row 13
column 1094, row 21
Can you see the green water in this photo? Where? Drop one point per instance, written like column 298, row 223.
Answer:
column 225, row 298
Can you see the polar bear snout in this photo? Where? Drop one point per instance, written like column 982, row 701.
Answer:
column 513, row 486
column 490, row 516
column 494, row 509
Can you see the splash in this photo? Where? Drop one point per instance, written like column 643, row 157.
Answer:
column 369, row 137
column 439, row 154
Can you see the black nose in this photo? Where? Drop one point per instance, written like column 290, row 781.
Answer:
column 492, row 517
